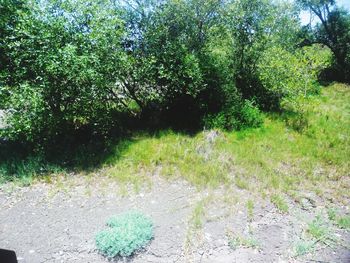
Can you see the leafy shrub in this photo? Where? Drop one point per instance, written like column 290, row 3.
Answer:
column 289, row 75
column 128, row 232
column 235, row 117
column 250, row 115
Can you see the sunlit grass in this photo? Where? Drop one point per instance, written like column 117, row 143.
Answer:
column 272, row 158
column 172, row 156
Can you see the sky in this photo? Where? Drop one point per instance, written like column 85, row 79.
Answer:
column 305, row 16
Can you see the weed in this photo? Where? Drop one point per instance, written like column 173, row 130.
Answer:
column 332, row 214
column 198, row 215
column 196, row 220
column 241, row 183
column 344, row 222
column 280, row 203
column 320, row 231
column 239, row 241
column 303, row 247
column 250, row 208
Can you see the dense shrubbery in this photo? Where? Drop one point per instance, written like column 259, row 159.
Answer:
column 289, row 75
column 72, row 66
column 126, row 234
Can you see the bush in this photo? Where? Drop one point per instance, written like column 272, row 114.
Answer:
column 127, row 233
column 235, row 117
column 250, row 115
column 289, row 75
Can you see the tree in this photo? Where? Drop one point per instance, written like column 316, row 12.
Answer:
column 254, row 26
column 64, row 62
column 332, row 31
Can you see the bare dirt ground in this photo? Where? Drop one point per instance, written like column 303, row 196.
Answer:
column 57, row 222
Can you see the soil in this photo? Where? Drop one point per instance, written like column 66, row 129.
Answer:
column 57, row 222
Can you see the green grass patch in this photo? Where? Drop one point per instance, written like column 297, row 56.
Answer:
column 243, row 242
column 320, row 231
column 344, row 222
column 280, row 203
column 174, row 155
column 304, row 247
column 340, row 221
column 250, row 209
column 317, row 229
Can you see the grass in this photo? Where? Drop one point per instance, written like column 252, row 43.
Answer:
column 24, row 171
column 171, row 154
column 318, row 229
column 195, row 222
column 276, row 158
column 250, row 210
column 341, row 221
column 198, row 214
column 280, row 203
column 303, row 247
column 344, row 222
column 243, row 242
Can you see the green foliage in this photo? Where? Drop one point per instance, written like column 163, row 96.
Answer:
column 84, row 65
column 304, row 247
column 25, row 114
column 26, row 169
column 341, row 221
column 235, row 117
column 280, row 203
column 127, row 233
column 344, row 222
column 250, row 208
column 291, row 75
column 96, row 69
column 320, row 231
column 333, row 31
column 243, row 242
column 60, row 77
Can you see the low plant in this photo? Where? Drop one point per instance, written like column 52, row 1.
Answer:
column 280, row 203
column 250, row 208
column 245, row 242
column 304, row 247
column 344, row 222
column 127, row 233
column 320, row 231
column 235, row 117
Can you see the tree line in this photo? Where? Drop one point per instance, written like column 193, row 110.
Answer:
column 106, row 66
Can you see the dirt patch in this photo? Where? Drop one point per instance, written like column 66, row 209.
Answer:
column 57, row 223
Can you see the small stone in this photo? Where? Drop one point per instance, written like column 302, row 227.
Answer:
column 31, row 251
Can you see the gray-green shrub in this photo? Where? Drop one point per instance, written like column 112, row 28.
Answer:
column 127, row 233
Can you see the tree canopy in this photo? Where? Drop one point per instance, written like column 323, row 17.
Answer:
column 102, row 65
